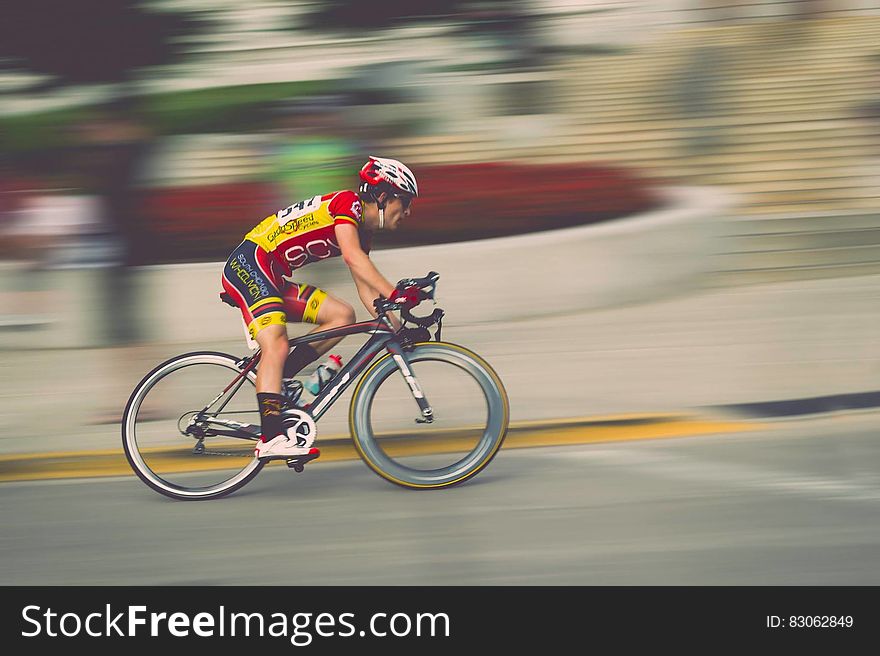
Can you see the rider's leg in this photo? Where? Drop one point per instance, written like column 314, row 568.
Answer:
column 322, row 309
column 249, row 281
column 275, row 443
column 334, row 313
column 274, row 347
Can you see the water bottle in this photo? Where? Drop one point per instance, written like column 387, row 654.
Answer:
column 325, row 371
column 291, row 390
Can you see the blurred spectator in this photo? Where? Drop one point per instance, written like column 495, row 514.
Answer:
column 46, row 223
column 113, row 148
column 54, row 228
column 15, row 191
column 312, row 153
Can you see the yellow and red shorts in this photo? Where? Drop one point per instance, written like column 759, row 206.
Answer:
column 252, row 279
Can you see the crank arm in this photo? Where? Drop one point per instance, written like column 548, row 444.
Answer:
column 228, row 428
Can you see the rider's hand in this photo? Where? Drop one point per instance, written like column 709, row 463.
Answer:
column 408, row 296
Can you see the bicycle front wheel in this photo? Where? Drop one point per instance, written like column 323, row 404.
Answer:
column 189, row 427
column 471, row 415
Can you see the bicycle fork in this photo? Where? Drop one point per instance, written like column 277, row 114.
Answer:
column 414, row 387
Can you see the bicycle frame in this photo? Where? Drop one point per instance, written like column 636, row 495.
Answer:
column 383, row 337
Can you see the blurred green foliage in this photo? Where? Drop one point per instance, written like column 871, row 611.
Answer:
column 239, row 108
column 221, row 108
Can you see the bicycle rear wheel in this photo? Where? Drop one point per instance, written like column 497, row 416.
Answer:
column 170, row 425
column 471, row 416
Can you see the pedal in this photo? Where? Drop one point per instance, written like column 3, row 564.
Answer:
column 299, row 462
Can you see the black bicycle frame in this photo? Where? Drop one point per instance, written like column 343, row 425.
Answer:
column 383, row 337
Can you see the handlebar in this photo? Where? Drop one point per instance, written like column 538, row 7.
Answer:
column 428, row 282
column 427, row 288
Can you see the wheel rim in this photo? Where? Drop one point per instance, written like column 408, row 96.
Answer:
column 463, row 449
column 165, row 401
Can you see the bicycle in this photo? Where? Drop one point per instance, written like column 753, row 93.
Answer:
column 215, row 438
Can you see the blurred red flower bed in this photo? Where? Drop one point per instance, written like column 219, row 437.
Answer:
column 187, row 224
column 458, row 203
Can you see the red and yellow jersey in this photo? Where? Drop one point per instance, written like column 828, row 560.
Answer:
column 305, row 231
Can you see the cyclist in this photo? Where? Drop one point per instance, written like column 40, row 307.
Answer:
column 337, row 224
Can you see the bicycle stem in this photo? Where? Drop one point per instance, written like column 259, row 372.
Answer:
column 403, row 365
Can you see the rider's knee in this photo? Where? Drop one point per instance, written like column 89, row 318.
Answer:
column 275, row 346
column 347, row 314
column 343, row 314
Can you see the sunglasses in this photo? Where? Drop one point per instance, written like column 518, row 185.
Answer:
column 405, row 199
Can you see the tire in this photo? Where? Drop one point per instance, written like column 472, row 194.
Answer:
column 390, row 453
column 158, row 451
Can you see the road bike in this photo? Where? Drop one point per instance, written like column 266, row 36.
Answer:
column 190, row 425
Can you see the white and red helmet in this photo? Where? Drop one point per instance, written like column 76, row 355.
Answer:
column 382, row 171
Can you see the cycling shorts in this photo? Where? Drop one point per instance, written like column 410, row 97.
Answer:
column 252, row 279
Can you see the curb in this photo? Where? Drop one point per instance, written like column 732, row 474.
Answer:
column 733, row 418
column 584, row 430
column 799, row 408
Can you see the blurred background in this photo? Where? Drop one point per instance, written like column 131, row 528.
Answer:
column 715, row 166
column 157, row 131
column 153, row 132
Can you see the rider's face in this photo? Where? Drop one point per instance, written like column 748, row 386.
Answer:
column 397, row 208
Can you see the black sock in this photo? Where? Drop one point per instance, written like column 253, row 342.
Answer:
column 299, row 357
column 270, row 414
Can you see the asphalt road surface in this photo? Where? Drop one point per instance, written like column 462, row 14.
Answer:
column 795, row 503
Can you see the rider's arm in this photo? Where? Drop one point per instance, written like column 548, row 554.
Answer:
column 370, row 283
column 362, row 268
column 367, row 296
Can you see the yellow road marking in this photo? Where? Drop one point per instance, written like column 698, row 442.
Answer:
column 88, row 464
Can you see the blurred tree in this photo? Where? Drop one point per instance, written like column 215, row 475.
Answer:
column 80, row 42
column 90, row 41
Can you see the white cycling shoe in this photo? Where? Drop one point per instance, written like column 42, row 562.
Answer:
column 282, row 447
